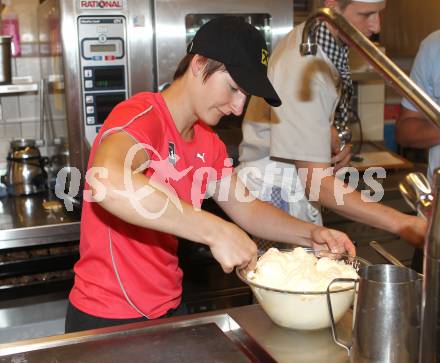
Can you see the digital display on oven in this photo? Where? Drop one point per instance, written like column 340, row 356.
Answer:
column 109, row 78
column 102, row 48
column 105, row 103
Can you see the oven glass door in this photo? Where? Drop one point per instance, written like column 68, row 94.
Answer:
column 261, row 21
column 176, row 22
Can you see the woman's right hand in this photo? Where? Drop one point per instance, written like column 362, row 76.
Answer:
column 335, row 241
column 231, row 247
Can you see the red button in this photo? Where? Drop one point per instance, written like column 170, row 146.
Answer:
column 110, row 57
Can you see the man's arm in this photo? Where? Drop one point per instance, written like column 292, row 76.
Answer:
column 414, row 130
column 371, row 213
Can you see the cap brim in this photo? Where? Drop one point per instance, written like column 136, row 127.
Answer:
column 254, row 82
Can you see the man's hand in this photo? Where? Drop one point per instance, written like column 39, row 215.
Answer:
column 413, row 230
column 340, row 158
column 335, row 241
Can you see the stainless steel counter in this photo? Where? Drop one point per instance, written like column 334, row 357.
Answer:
column 286, row 345
column 24, row 222
column 199, row 337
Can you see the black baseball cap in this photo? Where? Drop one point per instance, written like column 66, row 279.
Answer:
column 243, row 51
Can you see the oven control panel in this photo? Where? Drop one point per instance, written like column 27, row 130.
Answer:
column 103, row 64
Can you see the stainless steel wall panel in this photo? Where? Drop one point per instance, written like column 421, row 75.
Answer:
column 169, row 22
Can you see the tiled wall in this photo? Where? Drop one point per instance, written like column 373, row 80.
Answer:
column 20, row 113
column 371, row 102
column 370, row 99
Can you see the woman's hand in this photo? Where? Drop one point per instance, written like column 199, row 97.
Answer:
column 335, row 241
column 231, row 247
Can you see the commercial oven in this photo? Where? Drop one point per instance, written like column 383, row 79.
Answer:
column 98, row 53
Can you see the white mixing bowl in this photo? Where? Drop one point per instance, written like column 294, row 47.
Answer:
column 305, row 310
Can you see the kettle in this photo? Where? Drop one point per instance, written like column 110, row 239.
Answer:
column 25, row 170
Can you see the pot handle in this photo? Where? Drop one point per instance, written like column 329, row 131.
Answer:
column 339, row 342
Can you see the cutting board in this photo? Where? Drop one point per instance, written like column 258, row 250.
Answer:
column 376, row 156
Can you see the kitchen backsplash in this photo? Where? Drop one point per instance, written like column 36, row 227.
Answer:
column 20, row 112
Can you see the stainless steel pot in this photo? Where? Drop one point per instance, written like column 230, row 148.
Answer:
column 25, row 171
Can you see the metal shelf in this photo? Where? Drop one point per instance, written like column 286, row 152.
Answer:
column 6, row 89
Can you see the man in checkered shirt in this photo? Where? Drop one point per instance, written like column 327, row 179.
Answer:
column 301, row 134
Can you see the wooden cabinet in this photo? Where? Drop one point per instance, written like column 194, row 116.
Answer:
column 405, row 23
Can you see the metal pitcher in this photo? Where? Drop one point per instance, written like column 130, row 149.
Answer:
column 386, row 326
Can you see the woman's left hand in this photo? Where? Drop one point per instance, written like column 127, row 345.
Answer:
column 335, row 241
